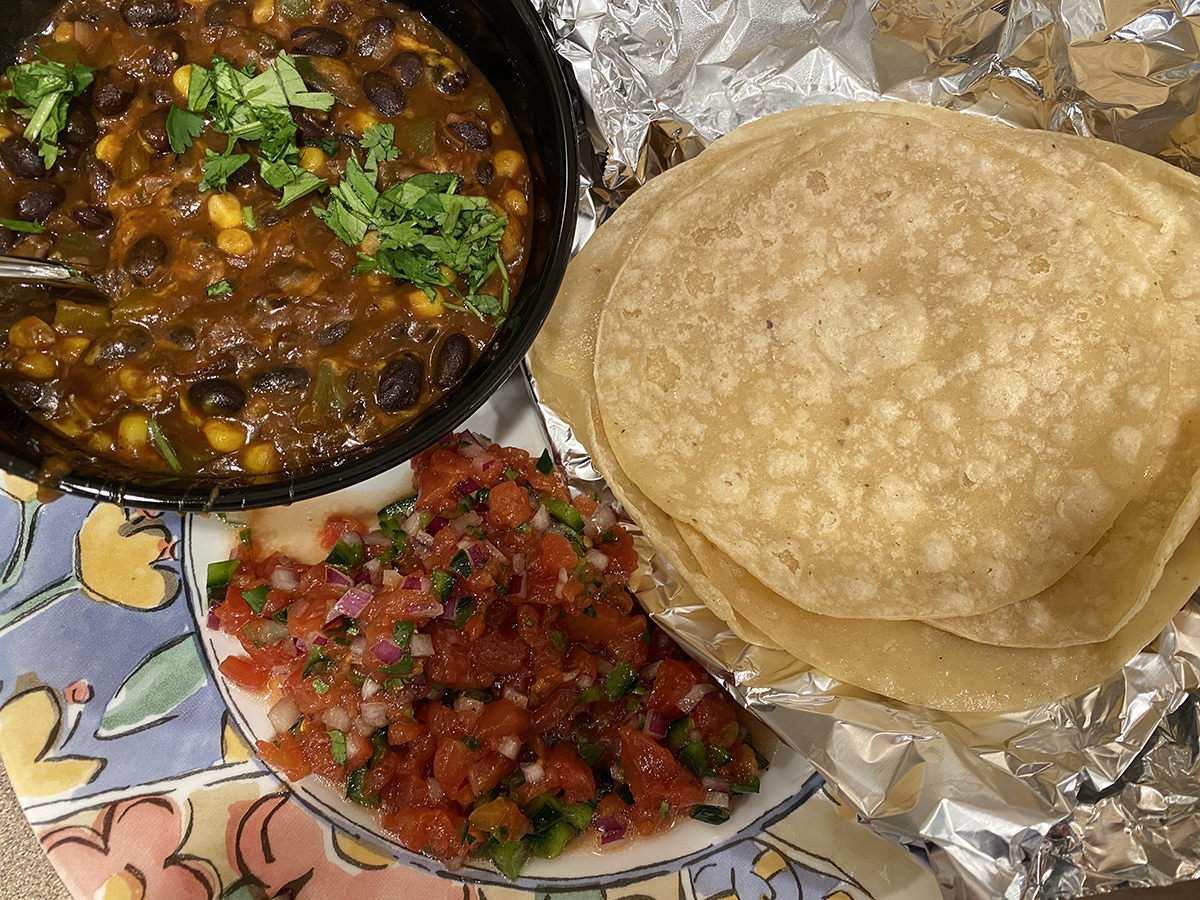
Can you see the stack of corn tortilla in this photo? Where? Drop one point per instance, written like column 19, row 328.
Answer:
column 904, row 392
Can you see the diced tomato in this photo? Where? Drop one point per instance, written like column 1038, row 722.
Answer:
column 622, row 555
column 335, row 527
column 244, row 673
column 500, row 718
column 654, row 775
column 285, row 756
column 508, row 504
column 452, row 763
column 570, row 773
column 554, row 554
column 714, row 717
column 672, row 682
column 431, row 830
column 500, row 813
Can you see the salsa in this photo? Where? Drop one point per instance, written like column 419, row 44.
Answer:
column 473, row 666
column 309, row 216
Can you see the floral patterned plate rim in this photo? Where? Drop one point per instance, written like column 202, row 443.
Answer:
column 132, row 761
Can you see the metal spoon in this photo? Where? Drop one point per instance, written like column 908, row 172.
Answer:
column 40, row 271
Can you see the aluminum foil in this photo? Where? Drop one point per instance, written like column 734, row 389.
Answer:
column 1079, row 796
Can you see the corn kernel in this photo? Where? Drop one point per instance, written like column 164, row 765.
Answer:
column 64, row 32
column 182, row 79
column 362, row 120
column 224, row 437
column 37, row 365
column 139, row 386
column 5, row 133
column 370, row 243
column 420, row 303
column 497, row 128
column 133, row 431
column 31, row 333
column 312, row 158
column 225, row 211
column 510, row 241
column 235, row 241
column 260, row 458
column 263, row 11
column 515, row 203
column 506, row 163
column 71, row 348
column 108, row 149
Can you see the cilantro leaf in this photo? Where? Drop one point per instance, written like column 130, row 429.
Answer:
column 182, row 128
column 22, row 226
column 293, row 180
column 45, row 90
column 337, row 746
column 219, row 166
column 380, row 143
column 218, row 288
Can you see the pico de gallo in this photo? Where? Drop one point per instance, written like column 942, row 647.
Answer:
column 473, row 665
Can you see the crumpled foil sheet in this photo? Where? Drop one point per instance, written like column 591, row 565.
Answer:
column 1081, row 796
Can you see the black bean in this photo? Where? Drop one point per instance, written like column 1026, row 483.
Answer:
column 186, row 200
column 81, row 126
column 226, row 12
column 39, row 202
column 271, row 218
column 376, row 35
column 400, row 383
column 475, row 136
column 119, row 343
column 485, row 172
column 114, row 91
column 272, row 304
column 21, row 158
column 183, row 337
column 216, row 396
column 283, row 378
column 309, row 128
column 145, row 256
column 317, row 41
column 7, row 239
column 385, row 93
column 450, row 81
column 245, row 175
column 93, row 218
column 148, row 13
column 153, row 129
column 162, row 61
column 453, row 360
column 99, row 176
column 408, row 68
column 331, row 334
column 338, row 12
column 41, row 398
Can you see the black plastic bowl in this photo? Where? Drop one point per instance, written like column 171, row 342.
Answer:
column 506, row 39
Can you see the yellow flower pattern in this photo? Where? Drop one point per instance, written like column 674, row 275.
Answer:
column 30, row 731
column 116, row 559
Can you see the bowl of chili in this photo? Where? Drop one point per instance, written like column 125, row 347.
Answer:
column 507, row 42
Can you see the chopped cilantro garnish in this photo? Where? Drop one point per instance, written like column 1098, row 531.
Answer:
column 315, row 659
column 44, row 91
column 404, row 667
column 464, row 611
column 461, row 563
column 217, row 581
column 22, row 226
column 256, row 597
column 337, row 746
column 320, row 686
column 380, row 143
column 545, row 464
column 620, row 681
column 470, row 742
column 713, row 815
column 218, row 167
column 165, row 450
column 355, row 786
column 248, row 218
column 590, row 753
column 183, row 127
column 590, row 612
column 402, row 634
column 217, row 288
column 591, row 695
column 294, row 180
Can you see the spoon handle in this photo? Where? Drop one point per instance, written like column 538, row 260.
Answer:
column 17, row 268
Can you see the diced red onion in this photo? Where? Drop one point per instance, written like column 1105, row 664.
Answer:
column 351, row 538
column 585, row 682
column 516, row 587
column 436, row 524
column 417, row 583
column 301, row 646
column 657, row 724
column 370, row 688
column 373, row 714
column 392, row 578
column 420, row 645
column 694, row 734
column 462, row 524
column 412, row 525
column 468, row 486
column 464, row 703
column 358, row 647
column 533, row 772
column 717, row 783
column 377, row 538
column 265, row 631
column 351, row 603
column 509, row 746
column 694, row 696
column 541, row 518
column 719, row 799
column 562, row 582
column 364, row 577
column 610, row 828
column 600, row 521
column 283, row 715
column 596, row 560
column 518, row 562
column 284, row 579
column 336, row 717
column 515, row 697
column 449, row 610
column 422, row 543
column 483, row 462
column 477, row 556
column 320, row 640
column 651, row 670
column 472, row 449
column 337, row 577
column 425, row 608
column 617, row 773
column 387, row 652
column 436, row 793
column 214, row 621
